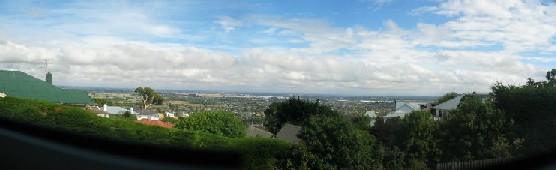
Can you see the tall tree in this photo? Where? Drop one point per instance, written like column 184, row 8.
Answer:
column 334, row 143
column 148, row 96
column 477, row 130
column 532, row 108
column 417, row 138
column 294, row 111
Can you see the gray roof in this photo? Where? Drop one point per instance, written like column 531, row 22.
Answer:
column 289, row 133
column 450, row 104
column 254, row 131
column 115, row 110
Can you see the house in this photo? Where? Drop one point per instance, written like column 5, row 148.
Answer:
column 169, row 114
column 22, row 85
column 372, row 115
column 147, row 114
column 156, row 123
column 401, row 109
column 114, row 109
column 443, row 109
column 3, row 95
column 257, row 131
column 289, row 133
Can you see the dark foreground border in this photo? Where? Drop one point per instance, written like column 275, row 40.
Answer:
column 28, row 147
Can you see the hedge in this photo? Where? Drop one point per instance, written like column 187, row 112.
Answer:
column 259, row 153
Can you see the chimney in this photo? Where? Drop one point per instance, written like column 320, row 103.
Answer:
column 395, row 105
column 104, row 108
column 49, row 78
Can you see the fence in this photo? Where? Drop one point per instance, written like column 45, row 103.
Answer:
column 471, row 165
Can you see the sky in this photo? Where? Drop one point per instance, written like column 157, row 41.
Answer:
column 358, row 47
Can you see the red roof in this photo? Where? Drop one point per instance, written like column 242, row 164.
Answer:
column 156, row 123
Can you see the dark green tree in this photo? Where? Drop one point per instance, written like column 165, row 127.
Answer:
column 417, row 138
column 148, row 96
column 334, row 143
column 101, row 102
column 477, row 130
column 215, row 122
column 294, row 111
column 531, row 106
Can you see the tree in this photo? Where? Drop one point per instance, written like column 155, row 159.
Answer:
column 215, row 122
column 148, row 96
column 417, row 138
column 294, row 111
column 531, row 106
column 101, row 102
column 477, row 130
column 334, row 143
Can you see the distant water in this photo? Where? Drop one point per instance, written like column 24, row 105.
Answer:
column 305, row 96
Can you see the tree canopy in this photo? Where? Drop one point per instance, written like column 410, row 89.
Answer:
column 149, row 96
column 477, row 130
column 334, row 143
column 531, row 106
column 294, row 111
column 215, row 122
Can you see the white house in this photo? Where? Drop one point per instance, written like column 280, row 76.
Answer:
column 147, row 114
column 113, row 109
column 169, row 114
column 372, row 115
column 401, row 109
column 3, row 95
column 443, row 109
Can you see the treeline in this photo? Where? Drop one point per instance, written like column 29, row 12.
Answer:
column 510, row 121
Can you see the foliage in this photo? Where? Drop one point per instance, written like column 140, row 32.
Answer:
column 416, row 136
column 294, row 111
column 148, row 96
column 384, row 130
column 218, row 122
column 532, row 108
column 477, row 130
column 334, row 143
column 259, row 153
column 390, row 157
column 169, row 120
column 445, row 98
column 101, row 102
column 126, row 116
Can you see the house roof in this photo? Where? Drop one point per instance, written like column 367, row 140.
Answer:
column 289, row 133
column 450, row 104
column 156, row 123
column 254, row 131
column 400, row 114
column 115, row 109
column 20, row 84
column 371, row 113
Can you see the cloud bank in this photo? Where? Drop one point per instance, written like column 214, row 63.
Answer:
column 480, row 43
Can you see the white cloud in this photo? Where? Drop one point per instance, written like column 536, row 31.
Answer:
column 480, row 44
column 228, row 23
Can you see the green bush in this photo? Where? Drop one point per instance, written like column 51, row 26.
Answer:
column 258, row 153
column 219, row 123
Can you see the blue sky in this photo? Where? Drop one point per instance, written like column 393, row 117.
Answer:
column 360, row 47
